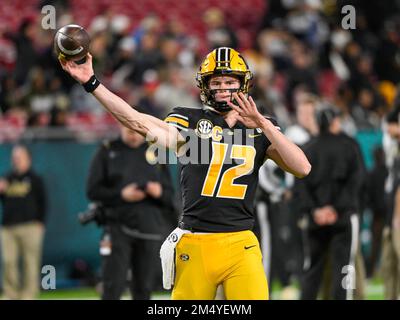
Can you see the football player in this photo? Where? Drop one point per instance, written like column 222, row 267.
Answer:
column 214, row 242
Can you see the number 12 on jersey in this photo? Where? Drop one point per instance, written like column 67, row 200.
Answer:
column 227, row 187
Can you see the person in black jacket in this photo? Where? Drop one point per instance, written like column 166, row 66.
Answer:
column 376, row 201
column 23, row 198
column 134, row 195
column 26, row 55
column 390, row 260
column 329, row 198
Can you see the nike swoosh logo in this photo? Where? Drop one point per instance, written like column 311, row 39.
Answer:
column 254, row 135
column 94, row 81
column 245, row 247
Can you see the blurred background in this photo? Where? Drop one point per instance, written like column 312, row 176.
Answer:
column 147, row 52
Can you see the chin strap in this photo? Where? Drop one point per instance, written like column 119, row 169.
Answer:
column 221, row 106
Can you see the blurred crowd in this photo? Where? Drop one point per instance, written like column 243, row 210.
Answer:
column 301, row 57
column 299, row 46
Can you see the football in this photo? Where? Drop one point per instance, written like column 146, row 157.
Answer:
column 71, row 42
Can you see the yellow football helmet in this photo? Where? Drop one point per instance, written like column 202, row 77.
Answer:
column 222, row 61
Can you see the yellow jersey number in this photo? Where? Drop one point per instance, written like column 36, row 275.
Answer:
column 227, row 187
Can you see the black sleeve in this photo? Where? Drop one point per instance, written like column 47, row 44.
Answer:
column 348, row 199
column 304, row 187
column 179, row 118
column 97, row 188
column 41, row 199
column 168, row 198
column 167, row 189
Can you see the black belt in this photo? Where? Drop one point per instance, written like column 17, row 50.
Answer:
column 187, row 227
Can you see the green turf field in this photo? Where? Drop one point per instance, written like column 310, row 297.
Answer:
column 374, row 291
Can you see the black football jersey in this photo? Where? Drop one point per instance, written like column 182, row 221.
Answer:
column 219, row 171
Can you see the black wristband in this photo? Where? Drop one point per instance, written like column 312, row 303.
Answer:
column 92, row 84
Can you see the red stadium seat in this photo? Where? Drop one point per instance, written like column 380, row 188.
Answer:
column 241, row 14
column 328, row 83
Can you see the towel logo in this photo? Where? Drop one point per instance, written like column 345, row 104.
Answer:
column 184, row 257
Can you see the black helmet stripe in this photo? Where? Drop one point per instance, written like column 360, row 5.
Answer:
column 223, row 57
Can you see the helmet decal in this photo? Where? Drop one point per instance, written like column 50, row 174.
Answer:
column 223, row 57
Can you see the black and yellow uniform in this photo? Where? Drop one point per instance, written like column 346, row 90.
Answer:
column 218, row 189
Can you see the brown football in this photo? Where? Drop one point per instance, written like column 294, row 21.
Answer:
column 71, row 42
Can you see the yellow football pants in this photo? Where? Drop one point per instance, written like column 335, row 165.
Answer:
column 203, row 261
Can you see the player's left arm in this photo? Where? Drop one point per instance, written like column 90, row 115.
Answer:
column 285, row 153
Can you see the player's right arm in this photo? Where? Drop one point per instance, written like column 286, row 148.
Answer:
column 154, row 129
